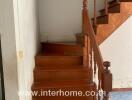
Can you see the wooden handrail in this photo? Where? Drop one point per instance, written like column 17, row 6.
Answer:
column 92, row 55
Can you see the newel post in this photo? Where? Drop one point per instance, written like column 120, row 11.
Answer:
column 107, row 80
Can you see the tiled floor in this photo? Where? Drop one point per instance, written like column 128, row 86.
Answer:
column 121, row 96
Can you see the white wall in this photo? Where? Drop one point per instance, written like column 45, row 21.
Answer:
column 26, row 24
column 118, row 49
column 61, row 19
column 19, row 37
column 8, row 42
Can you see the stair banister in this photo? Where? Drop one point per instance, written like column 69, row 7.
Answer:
column 92, row 55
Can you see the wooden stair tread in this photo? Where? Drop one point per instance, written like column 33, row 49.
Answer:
column 61, row 84
column 59, row 54
column 61, row 43
column 53, row 67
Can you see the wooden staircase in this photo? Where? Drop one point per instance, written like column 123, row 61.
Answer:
column 74, row 67
column 117, row 13
column 61, row 69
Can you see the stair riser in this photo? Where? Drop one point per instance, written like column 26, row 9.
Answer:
column 114, row 2
column 54, row 60
column 61, row 49
column 60, row 75
column 115, row 9
column 102, row 20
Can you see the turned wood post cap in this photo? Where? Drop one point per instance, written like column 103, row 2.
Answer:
column 107, row 64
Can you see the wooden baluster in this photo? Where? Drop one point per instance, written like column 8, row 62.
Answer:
column 95, row 65
column 95, row 13
column 91, row 58
column 84, row 14
column 88, row 45
column 91, row 55
column 84, row 31
column 106, row 7
column 85, row 51
column 99, row 83
column 107, row 80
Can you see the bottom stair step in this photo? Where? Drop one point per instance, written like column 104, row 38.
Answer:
column 66, row 87
column 63, row 98
column 59, row 84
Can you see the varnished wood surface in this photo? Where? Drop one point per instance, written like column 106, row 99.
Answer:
column 117, row 15
column 92, row 55
column 55, row 70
